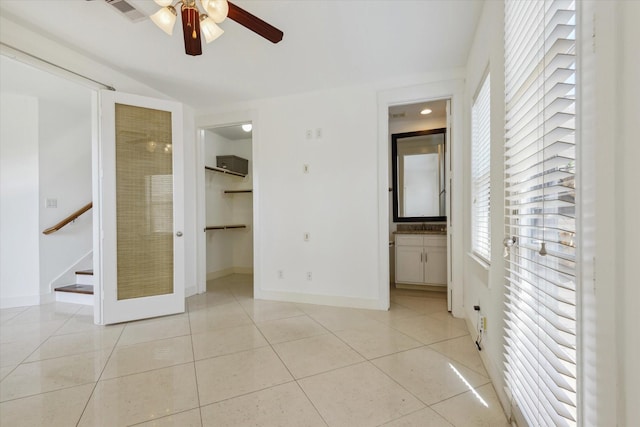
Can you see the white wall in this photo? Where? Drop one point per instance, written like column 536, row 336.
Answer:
column 483, row 284
column 19, row 222
column 62, row 125
column 228, row 250
column 65, row 175
column 335, row 202
column 628, row 228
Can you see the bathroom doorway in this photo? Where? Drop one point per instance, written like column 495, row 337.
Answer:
column 419, row 170
column 452, row 90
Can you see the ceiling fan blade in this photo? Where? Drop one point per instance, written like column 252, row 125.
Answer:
column 254, row 23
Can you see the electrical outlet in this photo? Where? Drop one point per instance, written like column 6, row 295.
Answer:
column 483, row 324
column 308, row 275
column 309, row 134
column 305, row 168
column 306, row 236
column 280, row 274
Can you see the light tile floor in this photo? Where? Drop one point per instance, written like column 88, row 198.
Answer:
column 234, row 361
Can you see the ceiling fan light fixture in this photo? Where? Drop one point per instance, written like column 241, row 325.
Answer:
column 209, row 29
column 165, row 19
column 216, row 9
column 163, row 3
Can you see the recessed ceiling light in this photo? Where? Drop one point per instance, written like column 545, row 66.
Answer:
column 247, row 127
column 425, row 111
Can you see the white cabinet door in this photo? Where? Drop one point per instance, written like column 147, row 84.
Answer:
column 409, row 265
column 435, row 269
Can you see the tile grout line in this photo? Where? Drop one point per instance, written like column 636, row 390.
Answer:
column 195, row 371
column 95, row 385
column 294, row 379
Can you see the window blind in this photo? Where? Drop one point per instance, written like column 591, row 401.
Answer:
column 540, row 197
column 480, row 172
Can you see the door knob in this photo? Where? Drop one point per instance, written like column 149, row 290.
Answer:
column 179, row 234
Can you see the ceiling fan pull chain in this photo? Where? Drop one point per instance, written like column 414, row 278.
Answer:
column 192, row 18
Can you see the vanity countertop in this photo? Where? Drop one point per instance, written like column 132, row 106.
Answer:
column 431, row 232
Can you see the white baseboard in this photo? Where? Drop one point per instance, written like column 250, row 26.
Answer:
column 20, row 301
column 494, row 374
column 212, row 275
column 337, row 301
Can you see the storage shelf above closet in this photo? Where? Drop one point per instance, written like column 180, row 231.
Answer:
column 225, row 171
column 224, row 227
column 237, row 191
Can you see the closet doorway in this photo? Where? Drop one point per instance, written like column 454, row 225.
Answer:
column 228, row 205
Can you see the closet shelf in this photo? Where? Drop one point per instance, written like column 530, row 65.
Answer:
column 225, row 171
column 224, row 227
column 237, row 191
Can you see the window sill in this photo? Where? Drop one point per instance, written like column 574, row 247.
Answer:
column 480, row 261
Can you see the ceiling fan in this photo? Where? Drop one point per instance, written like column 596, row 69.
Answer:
column 200, row 19
column 196, row 22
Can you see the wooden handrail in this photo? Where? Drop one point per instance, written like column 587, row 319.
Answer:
column 68, row 219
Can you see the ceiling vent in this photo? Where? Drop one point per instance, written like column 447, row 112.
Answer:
column 130, row 12
column 397, row 115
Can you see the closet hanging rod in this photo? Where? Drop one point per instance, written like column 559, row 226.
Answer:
column 14, row 52
column 224, row 227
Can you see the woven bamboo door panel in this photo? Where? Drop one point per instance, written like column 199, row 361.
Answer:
column 144, row 202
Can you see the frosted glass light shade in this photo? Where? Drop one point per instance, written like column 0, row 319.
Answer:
column 216, row 9
column 165, row 19
column 209, row 29
column 247, row 127
column 163, row 3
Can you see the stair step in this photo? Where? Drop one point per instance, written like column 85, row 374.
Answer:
column 76, row 289
column 85, row 272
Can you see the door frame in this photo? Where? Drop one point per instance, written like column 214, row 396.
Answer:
column 446, row 89
column 221, row 120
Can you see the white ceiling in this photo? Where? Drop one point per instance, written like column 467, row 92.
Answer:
column 326, row 44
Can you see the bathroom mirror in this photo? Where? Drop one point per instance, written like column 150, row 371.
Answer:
column 419, row 190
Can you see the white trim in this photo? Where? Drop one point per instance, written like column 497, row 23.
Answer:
column 96, row 173
column 20, row 301
column 334, row 301
column 212, row 275
column 190, row 291
column 34, row 61
column 448, row 89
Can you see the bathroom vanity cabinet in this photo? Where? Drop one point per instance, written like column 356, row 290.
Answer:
column 421, row 259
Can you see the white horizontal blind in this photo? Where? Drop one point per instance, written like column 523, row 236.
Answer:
column 480, row 172
column 540, row 308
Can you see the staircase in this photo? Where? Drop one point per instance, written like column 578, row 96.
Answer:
column 80, row 292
